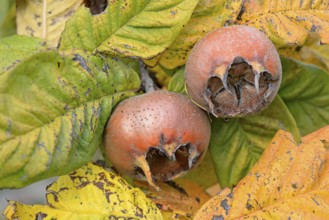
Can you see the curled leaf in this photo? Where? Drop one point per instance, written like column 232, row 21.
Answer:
column 180, row 199
column 290, row 181
column 90, row 192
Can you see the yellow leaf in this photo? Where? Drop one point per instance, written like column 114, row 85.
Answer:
column 90, row 192
column 289, row 181
column 207, row 16
column 311, row 52
column 288, row 22
column 162, row 75
column 44, row 18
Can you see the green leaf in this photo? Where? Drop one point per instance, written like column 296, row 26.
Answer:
column 17, row 48
column 7, row 18
column 305, row 91
column 177, row 82
column 53, row 109
column 5, row 5
column 207, row 16
column 237, row 144
column 141, row 28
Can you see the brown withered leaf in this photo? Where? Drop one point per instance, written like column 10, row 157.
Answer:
column 289, row 181
column 176, row 200
column 288, row 22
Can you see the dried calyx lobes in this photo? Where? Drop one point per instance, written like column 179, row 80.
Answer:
column 156, row 136
column 233, row 71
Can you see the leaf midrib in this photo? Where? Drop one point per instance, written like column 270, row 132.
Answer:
column 124, row 24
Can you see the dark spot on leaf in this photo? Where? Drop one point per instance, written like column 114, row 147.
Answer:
column 325, row 144
column 294, row 185
column 315, row 28
column 225, row 206
column 63, row 188
column 197, row 199
column 41, row 215
column 69, row 13
column 298, row 48
column 83, row 184
column 177, row 187
column 139, row 212
column 249, row 206
column 176, row 216
column 216, row 217
column 82, row 63
column 99, row 185
column 107, row 195
column 112, row 176
column 55, row 196
column 30, row 30
column 315, row 201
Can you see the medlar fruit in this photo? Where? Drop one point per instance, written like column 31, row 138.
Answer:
column 233, row 71
column 156, row 136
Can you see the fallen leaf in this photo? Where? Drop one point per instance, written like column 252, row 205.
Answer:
column 177, row 200
column 91, row 192
column 290, row 181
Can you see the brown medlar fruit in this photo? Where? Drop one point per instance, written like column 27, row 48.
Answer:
column 156, row 136
column 233, row 71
